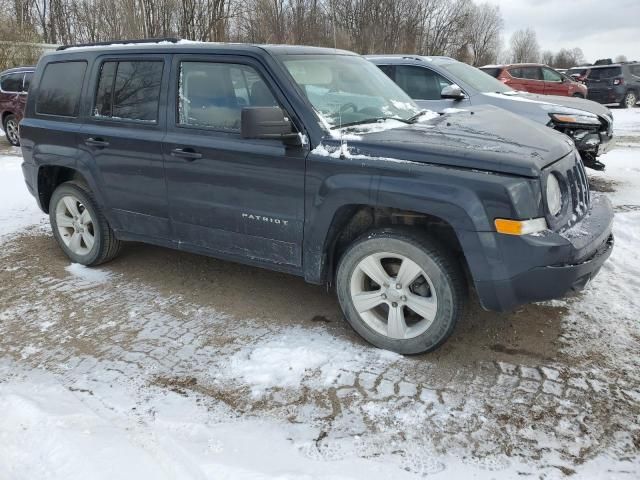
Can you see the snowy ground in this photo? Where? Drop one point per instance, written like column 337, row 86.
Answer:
column 166, row 365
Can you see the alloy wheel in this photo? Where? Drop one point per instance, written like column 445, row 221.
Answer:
column 393, row 295
column 75, row 225
column 12, row 131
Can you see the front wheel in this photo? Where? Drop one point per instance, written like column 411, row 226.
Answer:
column 400, row 291
column 578, row 95
column 79, row 226
column 629, row 100
column 11, row 130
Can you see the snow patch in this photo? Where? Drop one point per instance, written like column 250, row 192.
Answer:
column 91, row 275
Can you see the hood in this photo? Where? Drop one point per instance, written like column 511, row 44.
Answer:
column 523, row 102
column 483, row 138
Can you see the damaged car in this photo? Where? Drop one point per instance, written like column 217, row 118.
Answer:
column 441, row 83
column 312, row 162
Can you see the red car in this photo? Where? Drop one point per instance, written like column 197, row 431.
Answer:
column 536, row 78
column 14, row 84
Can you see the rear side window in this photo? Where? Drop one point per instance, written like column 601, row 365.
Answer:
column 59, row 89
column 12, row 83
column 420, row 83
column 527, row 73
column 129, row 90
column 635, row 70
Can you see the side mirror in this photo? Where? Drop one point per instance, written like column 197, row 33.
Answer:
column 266, row 123
column 452, row 91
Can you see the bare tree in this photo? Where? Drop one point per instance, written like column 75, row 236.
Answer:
column 483, row 33
column 547, row 57
column 524, row 47
column 621, row 58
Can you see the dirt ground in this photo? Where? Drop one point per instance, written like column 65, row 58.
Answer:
column 166, row 319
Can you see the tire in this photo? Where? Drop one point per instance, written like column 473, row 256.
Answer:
column 79, row 226
column 440, row 273
column 578, row 95
column 11, row 130
column 629, row 101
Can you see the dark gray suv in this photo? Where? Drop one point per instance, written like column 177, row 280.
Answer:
column 442, row 83
column 615, row 84
column 313, row 162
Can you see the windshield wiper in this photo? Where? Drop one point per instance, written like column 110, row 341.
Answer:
column 369, row 120
column 415, row 118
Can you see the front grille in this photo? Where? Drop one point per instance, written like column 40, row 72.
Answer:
column 579, row 190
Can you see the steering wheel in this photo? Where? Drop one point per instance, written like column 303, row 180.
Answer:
column 348, row 106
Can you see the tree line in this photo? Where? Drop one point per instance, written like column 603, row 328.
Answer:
column 468, row 30
column 459, row 28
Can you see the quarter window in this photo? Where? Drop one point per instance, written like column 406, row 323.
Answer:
column 129, row 90
column 212, row 95
column 420, row 83
column 59, row 89
column 12, row 83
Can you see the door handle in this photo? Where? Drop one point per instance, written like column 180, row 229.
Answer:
column 96, row 142
column 186, row 153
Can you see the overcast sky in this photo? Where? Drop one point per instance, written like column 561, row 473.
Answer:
column 602, row 28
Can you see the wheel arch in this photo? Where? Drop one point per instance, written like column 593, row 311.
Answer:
column 52, row 176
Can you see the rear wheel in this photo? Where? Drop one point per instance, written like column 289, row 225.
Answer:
column 11, row 130
column 80, row 227
column 578, row 95
column 629, row 100
column 400, row 291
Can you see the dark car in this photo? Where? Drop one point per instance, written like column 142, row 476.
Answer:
column 536, row 78
column 615, row 84
column 313, row 162
column 579, row 74
column 441, row 83
column 14, row 84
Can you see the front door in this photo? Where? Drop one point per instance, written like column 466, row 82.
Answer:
column 554, row 83
column 122, row 136
column 234, row 196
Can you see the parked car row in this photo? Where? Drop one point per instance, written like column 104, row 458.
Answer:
column 313, row 162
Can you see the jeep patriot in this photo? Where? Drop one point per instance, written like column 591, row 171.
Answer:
column 310, row 161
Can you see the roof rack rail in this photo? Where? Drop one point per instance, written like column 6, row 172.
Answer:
column 121, row 42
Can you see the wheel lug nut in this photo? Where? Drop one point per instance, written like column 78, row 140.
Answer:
column 394, row 304
column 384, row 296
column 398, row 286
column 403, row 298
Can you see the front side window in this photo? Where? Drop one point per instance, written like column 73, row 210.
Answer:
column 526, row 73
column 129, row 90
column 420, row 83
column 12, row 83
column 347, row 89
column 212, row 95
column 551, row 76
column 60, row 87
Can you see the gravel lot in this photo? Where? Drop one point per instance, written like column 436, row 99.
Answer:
column 163, row 364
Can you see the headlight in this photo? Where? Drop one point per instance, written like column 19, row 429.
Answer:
column 577, row 119
column 554, row 195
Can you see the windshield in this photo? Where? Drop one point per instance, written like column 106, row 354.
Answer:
column 475, row 78
column 348, row 90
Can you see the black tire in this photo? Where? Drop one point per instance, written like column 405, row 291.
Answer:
column 106, row 246
column 437, row 262
column 630, row 100
column 10, row 127
column 578, row 95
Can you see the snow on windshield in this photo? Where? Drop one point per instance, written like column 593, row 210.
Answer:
column 347, row 89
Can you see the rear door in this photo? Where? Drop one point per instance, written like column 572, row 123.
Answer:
column 601, row 83
column 121, row 140
column 554, row 83
column 424, row 85
column 237, row 197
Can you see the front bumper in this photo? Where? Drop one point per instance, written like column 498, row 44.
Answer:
column 548, row 266
column 597, row 143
